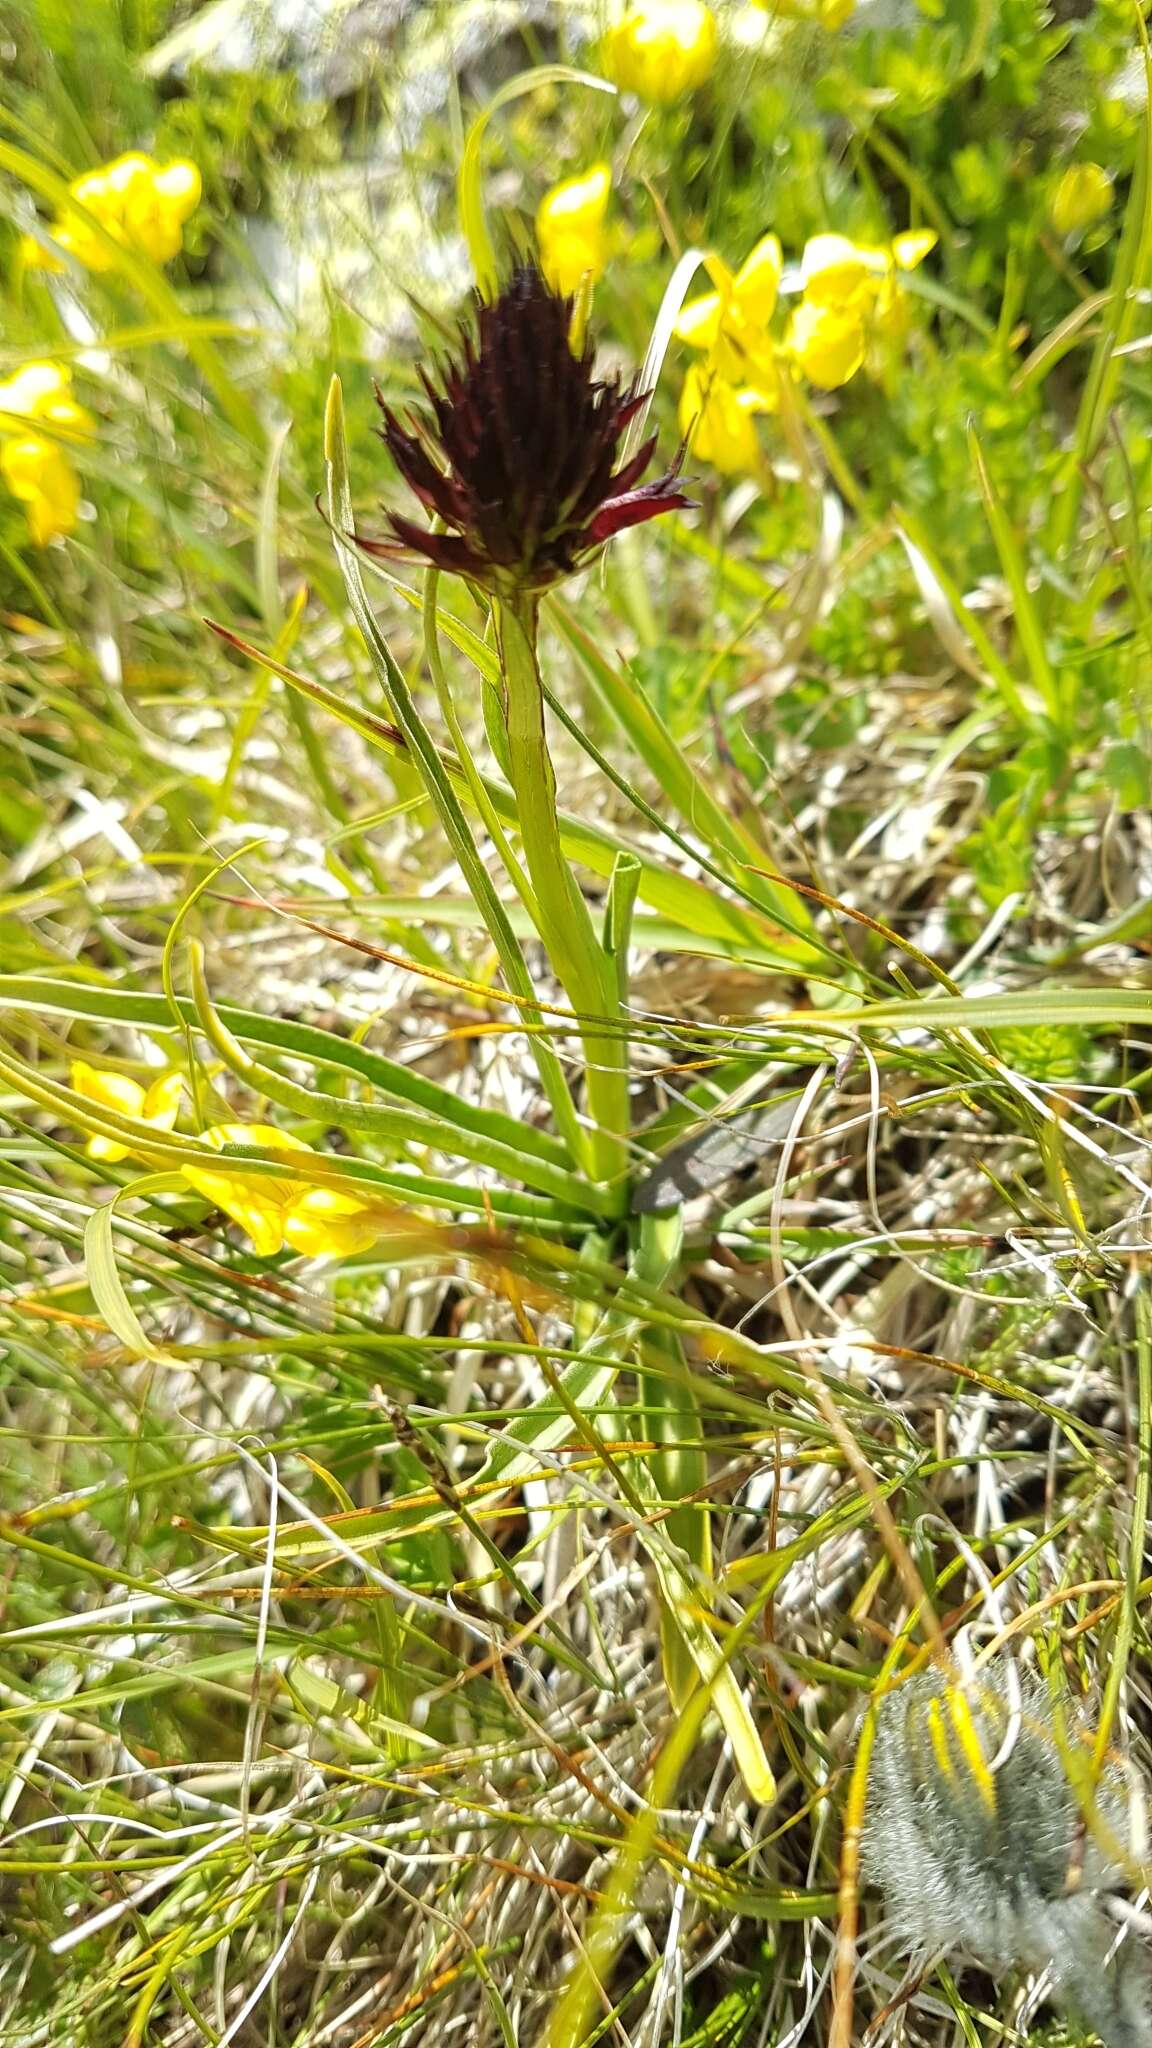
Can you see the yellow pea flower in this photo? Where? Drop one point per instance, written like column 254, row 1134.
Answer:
column 852, row 296
column 661, row 49
column 1082, row 197
column 317, row 1221
column 849, row 275
column 570, row 229
column 731, row 323
column 719, row 419
column 158, row 1105
column 157, row 199
column 36, row 467
column 139, row 202
column 40, row 475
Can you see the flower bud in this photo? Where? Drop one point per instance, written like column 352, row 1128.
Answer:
column 1080, row 198
column 661, row 49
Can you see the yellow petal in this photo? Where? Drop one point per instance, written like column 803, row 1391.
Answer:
column 92, row 189
column 96, row 192
column 161, row 1104
column 718, row 418
column 828, row 344
column 265, row 1135
column 909, row 250
column 125, row 174
column 106, row 1148
column 661, row 49
column 153, row 233
column 567, row 260
column 891, row 314
column 699, row 321
column 33, row 386
column 835, row 271
column 112, row 1091
column 325, row 1222
column 578, row 206
column 179, row 187
column 69, row 418
column 39, row 474
column 758, row 280
column 257, row 1205
column 257, row 1202
column 138, row 201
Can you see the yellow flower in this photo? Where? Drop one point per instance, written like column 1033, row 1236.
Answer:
column 661, row 49
column 40, row 475
column 837, row 272
column 315, row 1220
column 719, row 418
column 570, row 229
column 157, row 1105
column 732, row 322
column 852, row 296
column 136, row 200
column 35, row 466
column 1081, row 198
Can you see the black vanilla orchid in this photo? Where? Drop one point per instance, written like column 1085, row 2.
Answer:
column 517, row 454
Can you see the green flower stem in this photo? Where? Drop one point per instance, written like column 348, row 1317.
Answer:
column 586, row 972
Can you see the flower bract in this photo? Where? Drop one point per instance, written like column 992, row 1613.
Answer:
column 517, row 453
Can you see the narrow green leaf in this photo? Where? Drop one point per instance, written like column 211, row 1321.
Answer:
column 470, row 176
column 686, row 787
column 107, row 1287
column 1029, row 625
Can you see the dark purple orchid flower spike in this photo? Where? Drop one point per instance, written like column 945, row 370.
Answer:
column 516, row 455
